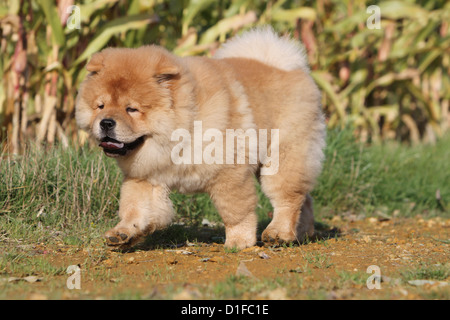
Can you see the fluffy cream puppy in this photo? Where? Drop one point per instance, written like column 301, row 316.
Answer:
column 197, row 124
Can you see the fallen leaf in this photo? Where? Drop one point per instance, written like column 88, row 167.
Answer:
column 296, row 270
column 427, row 282
column 263, row 255
column 29, row 279
column 185, row 252
column 394, row 281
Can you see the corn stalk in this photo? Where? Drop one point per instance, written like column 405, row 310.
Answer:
column 388, row 83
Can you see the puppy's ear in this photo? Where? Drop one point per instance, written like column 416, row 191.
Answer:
column 166, row 70
column 96, row 63
column 167, row 74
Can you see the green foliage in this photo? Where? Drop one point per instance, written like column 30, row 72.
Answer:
column 390, row 82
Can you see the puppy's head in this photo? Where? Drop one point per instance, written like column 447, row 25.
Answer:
column 128, row 97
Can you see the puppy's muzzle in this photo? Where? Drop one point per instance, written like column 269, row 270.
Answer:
column 107, row 125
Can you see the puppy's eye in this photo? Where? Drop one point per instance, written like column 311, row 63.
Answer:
column 131, row 110
column 101, row 106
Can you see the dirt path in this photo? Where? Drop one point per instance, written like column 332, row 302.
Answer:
column 401, row 251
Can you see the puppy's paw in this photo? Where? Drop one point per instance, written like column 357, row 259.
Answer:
column 123, row 238
column 273, row 235
column 240, row 243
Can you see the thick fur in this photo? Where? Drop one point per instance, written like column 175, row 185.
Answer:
column 256, row 81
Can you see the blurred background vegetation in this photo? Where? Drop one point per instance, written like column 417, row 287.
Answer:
column 386, row 83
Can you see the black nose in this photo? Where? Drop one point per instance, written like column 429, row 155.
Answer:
column 107, row 124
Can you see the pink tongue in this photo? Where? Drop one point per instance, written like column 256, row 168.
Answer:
column 111, row 145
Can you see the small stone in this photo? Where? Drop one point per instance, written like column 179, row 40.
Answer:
column 263, row 255
column 373, row 220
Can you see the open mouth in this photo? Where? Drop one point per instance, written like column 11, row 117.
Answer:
column 114, row 148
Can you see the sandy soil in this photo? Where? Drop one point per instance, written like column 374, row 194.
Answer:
column 333, row 267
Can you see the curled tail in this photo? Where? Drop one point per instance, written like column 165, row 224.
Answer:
column 264, row 45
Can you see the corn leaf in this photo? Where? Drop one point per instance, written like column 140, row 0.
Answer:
column 115, row 27
column 53, row 19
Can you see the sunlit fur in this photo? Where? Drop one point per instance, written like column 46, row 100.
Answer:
column 240, row 88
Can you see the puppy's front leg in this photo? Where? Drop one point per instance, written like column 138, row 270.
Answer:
column 143, row 209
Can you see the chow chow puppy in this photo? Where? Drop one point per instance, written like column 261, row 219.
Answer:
column 161, row 116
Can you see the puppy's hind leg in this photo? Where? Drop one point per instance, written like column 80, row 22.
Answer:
column 301, row 154
column 234, row 195
column 305, row 228
column 293, row 218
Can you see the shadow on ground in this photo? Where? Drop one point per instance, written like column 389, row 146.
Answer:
column 177, row 236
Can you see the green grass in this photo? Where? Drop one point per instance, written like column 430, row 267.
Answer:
column 23, row 265
column 348, row 278
column 318, row 260
column 71, row 195
column 426, row 272
column 63, row 194
column 383, row 178
column 240, row 287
